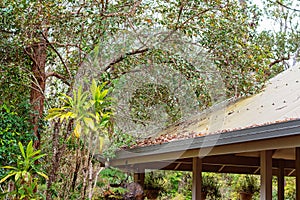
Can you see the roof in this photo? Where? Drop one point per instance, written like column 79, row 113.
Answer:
column 278, row 102
column 230, row 137
column 230, row 152
column 254, row 134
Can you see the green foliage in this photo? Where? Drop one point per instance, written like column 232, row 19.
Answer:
column 14, row 127
column 112, row 181
column 210, row 186
column 248, row 184
column 112, row 176
column 91, row 111
column 155, row 181
column 290, row 188
column 13, row 78
column 117, row 141
column 228, row 31
column 149, row 95
column 26, row 174
column 230, row 34
column 172, row 184
column 176, row 184
column 285, row 37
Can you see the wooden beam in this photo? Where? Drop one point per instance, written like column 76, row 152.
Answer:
column 127, row 158
column 297, row 173
column 221, row 168
column 177, row 166
column 231, row 160
column 197, row 179
column 266, row 175
column 257, row 170
column 139, row 178
column 280, row 180
column 261, row 145
column 291, row 172
column 227, row 164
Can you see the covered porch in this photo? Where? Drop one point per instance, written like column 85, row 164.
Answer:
column 270, row 150
column 259, row 134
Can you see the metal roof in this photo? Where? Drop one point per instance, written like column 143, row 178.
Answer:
column 279, row 101
column 266, row 132
column 229, row 137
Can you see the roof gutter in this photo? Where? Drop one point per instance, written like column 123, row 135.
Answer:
column 259, row 133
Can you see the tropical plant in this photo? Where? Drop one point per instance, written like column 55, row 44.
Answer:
column 155, row 184
column 90, row 111
column 154, row 181
column 111, row 182
column 290, row 189
column 210, row 186
column 26, row 175
column 248, row 184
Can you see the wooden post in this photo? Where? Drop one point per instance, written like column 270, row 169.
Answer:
column 297, row 173
column 197, row 179
column 266, row 175
column 139, row 178
column 280, row 180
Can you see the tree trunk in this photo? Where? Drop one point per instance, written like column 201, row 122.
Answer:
column 38, row 55
column 55, row 160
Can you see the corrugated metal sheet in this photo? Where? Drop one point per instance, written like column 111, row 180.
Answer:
column 279, row 101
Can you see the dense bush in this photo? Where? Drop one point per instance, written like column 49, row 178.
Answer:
column 14, row 127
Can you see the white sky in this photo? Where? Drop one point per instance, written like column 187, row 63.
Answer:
column 267, row 24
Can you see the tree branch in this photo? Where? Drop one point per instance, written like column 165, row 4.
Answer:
column 180, row 12
column 287, row 7
column 296, row 55
column 138, row 51
column 129, row 14
column 5, row 31
column 60, row 57
column 279, row 60
column 185, row 22
column 122, row 57
column 59, row 76
column 64, row 45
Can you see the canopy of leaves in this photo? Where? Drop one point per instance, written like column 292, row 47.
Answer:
column 226, row 31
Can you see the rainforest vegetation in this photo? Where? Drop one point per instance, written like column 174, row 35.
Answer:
column 66, row 64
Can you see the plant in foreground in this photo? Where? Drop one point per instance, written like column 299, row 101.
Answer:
column 25, row 176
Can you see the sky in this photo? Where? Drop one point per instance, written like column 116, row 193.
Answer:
column 265, row 24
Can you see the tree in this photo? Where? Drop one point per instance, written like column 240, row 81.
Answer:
column 46, row 44
column 285, row 36
column 51, row 39
column 46, row 39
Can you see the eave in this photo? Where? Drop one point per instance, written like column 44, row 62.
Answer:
column 224, row 152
